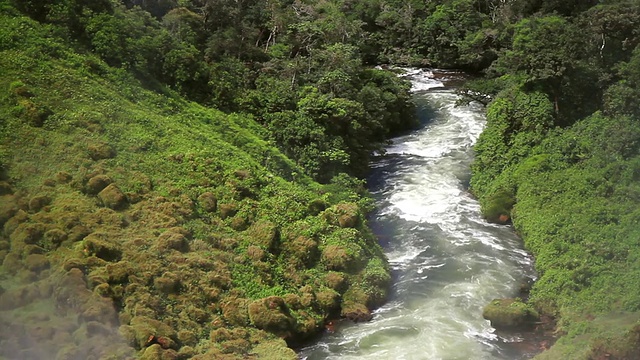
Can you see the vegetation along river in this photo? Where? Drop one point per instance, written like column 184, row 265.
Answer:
column 448, row 263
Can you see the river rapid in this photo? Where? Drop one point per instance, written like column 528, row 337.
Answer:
column 447, row 262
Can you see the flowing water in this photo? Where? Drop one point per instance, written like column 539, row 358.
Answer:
column 447, row 262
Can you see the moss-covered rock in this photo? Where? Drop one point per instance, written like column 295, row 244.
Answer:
column 264, row 234
column 54, row 237
column 99, row 151
column 208, row 202
column 355, row 305
column 63, row 177
column 12, row 224
column 11, row 263
column 38, row 202
column 5, row 188
column 328, row 300
column 255, row 253
column 158, row 352
column 273, row 315
column 171, row 240
column 336, row 280
column 301, row 249
column 8, row 208
column 227, row 210
column 336, row 257
column 168, row 283
column 497, row 207
column 145, row 331
column 112, row 197
column 36, row 262
column 345, row 215
column 103, row 247
column 235, row 310
column 274, row 350
column 509, row 314
column 27, row 233
column 97, row 183
column 187, row 338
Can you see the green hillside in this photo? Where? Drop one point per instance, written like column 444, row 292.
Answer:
column 182, row 178
column 137, row 223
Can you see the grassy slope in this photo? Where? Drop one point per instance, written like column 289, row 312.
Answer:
column 219, row 247
column 576, row 200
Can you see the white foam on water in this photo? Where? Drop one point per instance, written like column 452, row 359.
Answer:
column 448, row 262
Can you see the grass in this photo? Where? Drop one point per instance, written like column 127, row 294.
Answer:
column 67, row 118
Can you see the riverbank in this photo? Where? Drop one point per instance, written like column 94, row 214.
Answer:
column 571, row 193
column 447, row 262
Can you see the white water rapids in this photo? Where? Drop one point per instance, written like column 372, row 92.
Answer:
column 447, row 262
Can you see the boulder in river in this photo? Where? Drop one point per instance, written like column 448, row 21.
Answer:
column 510, row 313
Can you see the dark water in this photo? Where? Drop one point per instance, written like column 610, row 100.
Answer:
column 448, row 263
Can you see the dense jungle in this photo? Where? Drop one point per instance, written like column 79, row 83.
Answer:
column 185, row 179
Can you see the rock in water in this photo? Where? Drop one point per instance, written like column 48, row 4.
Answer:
column 510, row 314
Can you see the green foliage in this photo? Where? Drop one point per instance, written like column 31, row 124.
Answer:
column 575, row 195
column 452, row 31
column 516, row 122
column 196, row 261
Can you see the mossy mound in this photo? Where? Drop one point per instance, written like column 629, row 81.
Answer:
column 510, row 314
column 273, row 315
column 112, row 197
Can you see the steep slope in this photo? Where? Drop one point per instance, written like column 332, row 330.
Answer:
column 139, row 224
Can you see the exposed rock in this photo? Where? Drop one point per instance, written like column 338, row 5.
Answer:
column 509, row 314
column 112, row 197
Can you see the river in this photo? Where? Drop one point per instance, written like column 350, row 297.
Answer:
column 447, row 262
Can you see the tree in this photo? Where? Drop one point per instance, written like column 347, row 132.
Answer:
column 544, row 50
